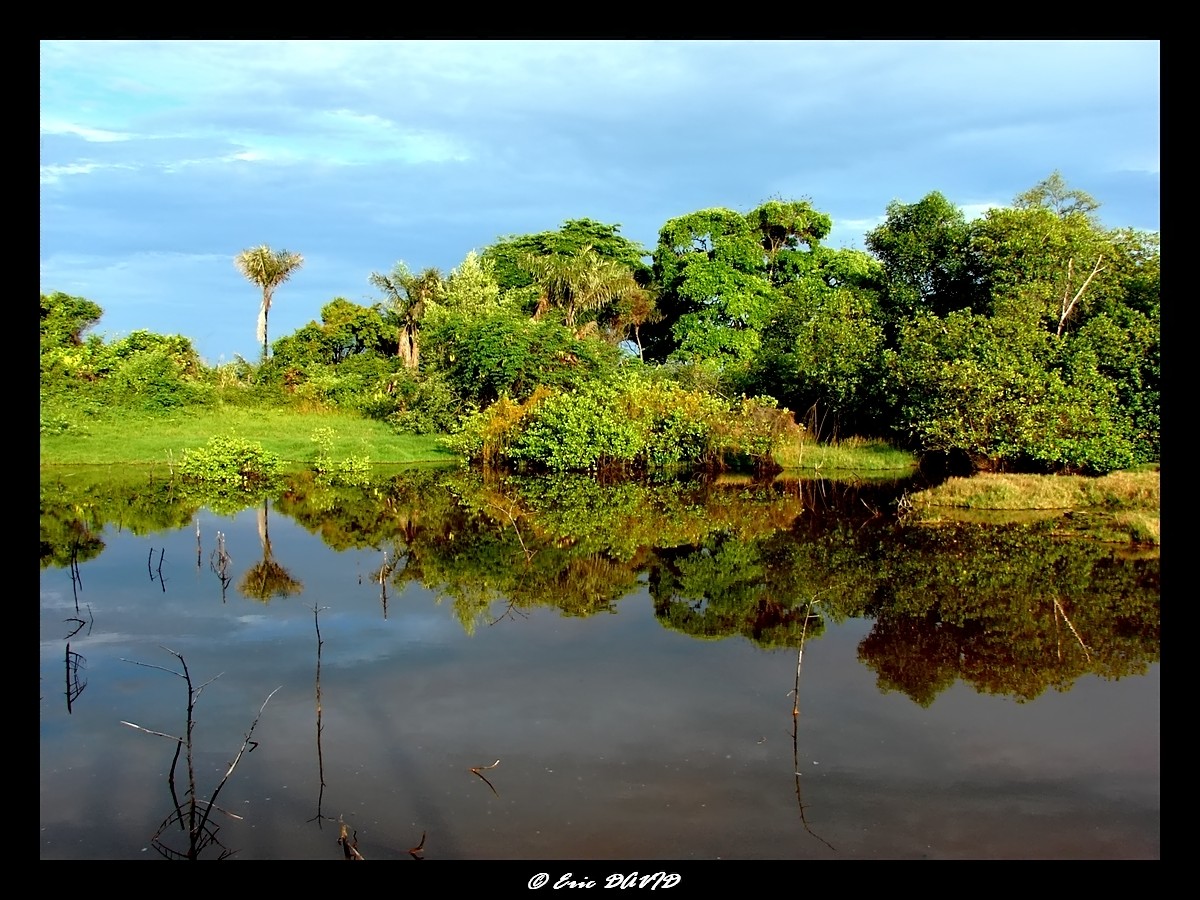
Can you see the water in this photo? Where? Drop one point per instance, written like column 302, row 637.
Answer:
column 492, row 697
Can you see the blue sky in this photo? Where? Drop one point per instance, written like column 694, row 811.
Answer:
column 161, row 160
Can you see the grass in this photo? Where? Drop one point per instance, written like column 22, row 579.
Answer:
column 848, row 455
column 132, row 438
column 1121, row 506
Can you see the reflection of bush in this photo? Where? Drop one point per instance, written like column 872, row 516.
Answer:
column 1009, row 610
column 75, row 508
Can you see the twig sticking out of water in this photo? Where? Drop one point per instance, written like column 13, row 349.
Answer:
column 796, row 727
column 76, row 580
column 219, row 562
column 194, row 819
column 479, row 770
column 349, row 842
column 415, row 852
column 159, row 577
column 320, row 758
column 385, row 572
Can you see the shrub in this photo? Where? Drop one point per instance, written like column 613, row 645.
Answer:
column 231, row 462
column 351, row 471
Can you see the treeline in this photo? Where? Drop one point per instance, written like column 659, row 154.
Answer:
column 1025, row 340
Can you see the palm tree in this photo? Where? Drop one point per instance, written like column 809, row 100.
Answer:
column 408, row 297
column 268, row 269
column 578, row 283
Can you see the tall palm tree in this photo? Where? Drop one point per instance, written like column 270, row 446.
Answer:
column 407, row 297
column 268, row 269
column 578, row 283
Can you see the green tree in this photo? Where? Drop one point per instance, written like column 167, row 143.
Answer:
column 720, row 273
column 583, row 282
column 1052, row 193
column 407, row 297
column 509, row 255
column 471, row 288
column 507, row 354
column 924, row 248
column 1000, row 391
column 267, row 269
column 64, row 319
column 822, row 355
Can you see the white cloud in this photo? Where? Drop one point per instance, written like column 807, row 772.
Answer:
column 973, row 211
column 53, row 174
column 93, row 135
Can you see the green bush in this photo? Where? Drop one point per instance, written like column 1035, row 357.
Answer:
column 231, row 462
column 581, row 430
column 351, row 471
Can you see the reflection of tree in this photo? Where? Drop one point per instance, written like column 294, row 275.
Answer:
column 267, row 579
column 76, row 507
column 731, row 586
column 915, row 656
column 1008, row 610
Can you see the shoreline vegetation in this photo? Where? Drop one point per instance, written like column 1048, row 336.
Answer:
column 1119, row 507
column 1021, row 346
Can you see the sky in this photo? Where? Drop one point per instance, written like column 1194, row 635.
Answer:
column 161, row 160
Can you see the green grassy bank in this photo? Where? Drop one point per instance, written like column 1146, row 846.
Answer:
column 157, row 439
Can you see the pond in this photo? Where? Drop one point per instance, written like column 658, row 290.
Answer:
column 436, row 665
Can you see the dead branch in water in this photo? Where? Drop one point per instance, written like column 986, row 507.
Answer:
column 320, row 757
column 796, row 728
column 348, row 842
column 479, row 770
column 194, row 818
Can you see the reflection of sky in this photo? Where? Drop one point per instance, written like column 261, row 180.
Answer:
column 616, row 736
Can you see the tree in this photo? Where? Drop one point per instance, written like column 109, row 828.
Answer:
column 509, row 255
column 472, row 289
column 64, row 319
column 267, row 269
column 407, row 297
column 582, row 282
column 1053, row 194
column 924, row 249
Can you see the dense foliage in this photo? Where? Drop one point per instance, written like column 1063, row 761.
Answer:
column 1024, row 340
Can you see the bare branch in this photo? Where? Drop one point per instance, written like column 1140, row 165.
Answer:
column 149, row 731
column 1070, row 305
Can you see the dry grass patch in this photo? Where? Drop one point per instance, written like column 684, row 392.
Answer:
column 1122, row 506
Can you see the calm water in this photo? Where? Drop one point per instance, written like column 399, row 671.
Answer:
column 493, row 696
